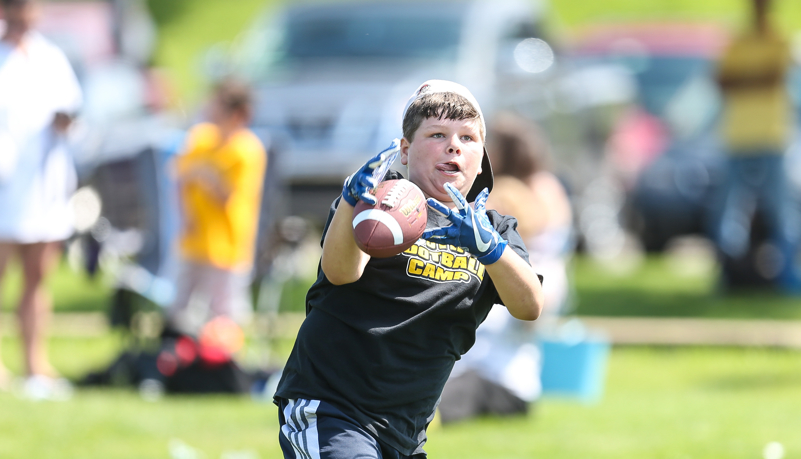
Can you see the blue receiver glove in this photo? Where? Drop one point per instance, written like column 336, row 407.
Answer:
column 358, row 185
column 470, row 227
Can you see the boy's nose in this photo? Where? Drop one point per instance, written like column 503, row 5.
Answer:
column 454, row 147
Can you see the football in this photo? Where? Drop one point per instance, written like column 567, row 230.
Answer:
column 394, row 223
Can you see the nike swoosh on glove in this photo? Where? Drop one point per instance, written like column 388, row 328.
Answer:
column 470, row 228
column 358, row 185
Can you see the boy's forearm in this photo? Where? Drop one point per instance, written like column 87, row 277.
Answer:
column 518, row 285
column 342, row 260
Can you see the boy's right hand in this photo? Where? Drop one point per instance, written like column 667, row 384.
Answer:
column 358, row 185
column 470, row 228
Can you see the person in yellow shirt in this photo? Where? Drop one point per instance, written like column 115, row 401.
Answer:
column 755, row 129
column 220, row 177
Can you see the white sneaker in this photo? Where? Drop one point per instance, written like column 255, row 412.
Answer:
column 40, row 387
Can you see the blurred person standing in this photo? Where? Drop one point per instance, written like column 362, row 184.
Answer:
column 39, row 95
column 521, row 151
column 500, row 374
column 756, row 127
column 220, row 178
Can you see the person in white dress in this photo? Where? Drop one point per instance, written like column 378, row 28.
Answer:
column 39, row 95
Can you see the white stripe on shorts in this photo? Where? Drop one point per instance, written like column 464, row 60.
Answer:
column 301, row 427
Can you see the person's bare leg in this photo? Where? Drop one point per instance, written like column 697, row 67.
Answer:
column 6, row 250
column 35, row 306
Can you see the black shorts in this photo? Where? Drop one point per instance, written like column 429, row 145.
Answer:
column 312, row 429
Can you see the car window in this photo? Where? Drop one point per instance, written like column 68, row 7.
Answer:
column 664, row 76
column 694, row 107
column 370, row 36
column 659, row 77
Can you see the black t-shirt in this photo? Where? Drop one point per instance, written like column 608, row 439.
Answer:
column 380, row 349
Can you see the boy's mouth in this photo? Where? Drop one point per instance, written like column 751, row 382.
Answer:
column 448, row 167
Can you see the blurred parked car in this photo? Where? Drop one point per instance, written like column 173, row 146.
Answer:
column 332, row 78
column 663, row 154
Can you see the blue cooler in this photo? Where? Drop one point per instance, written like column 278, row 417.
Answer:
column 574, row 366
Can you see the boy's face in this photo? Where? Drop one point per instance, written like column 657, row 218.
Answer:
column 215, row 111
column 444, row 151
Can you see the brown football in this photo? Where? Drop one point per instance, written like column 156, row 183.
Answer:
column 394, row 223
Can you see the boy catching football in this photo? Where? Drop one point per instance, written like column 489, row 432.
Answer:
column 382, row 334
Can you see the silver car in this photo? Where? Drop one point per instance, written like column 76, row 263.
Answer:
column 332, row 79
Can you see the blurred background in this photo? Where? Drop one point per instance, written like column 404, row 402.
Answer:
column 661, row 347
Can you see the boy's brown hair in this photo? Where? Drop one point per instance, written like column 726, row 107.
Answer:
column 234, row 96
column 440, row 105
column 445, row 99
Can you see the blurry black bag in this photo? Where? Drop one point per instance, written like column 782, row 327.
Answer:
column 129, row 369
column 202, row 378
column 189, row 367
column 180, row 364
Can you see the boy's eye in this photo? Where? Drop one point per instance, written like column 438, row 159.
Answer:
column 437, row 135
column 467, row 138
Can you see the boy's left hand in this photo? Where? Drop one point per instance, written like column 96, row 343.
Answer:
column 470, row 230
column 358, row 185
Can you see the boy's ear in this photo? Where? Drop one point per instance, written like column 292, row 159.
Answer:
column 404, row 151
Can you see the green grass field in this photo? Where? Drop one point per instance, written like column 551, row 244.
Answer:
column 665, row 287
column 660, row 402
column 577, row 13
column 666, row 403
column 189, row 28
